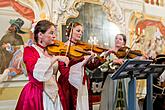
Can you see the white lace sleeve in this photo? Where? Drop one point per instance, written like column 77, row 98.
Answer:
column 76, row 74
column 43, row 69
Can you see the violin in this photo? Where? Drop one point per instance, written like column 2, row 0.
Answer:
column 89, row 47
column 126, row 52
column 58, row 48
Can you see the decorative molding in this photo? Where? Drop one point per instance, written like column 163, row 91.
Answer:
column 60, row 10
column 113, row 10
column 8, row 104
column 10, row 84
column 18, row 81
column 158, row 11
column 64, row 9
column 132, row 5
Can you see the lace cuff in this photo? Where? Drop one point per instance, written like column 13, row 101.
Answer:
column 43, row 69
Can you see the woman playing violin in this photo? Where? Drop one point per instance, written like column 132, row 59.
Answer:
column 77, row 32
column 73, row 79
column 41, row 92
column 114, row 89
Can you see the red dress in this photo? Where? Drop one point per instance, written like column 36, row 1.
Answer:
column 32, row 94
column 41, row 92
column 68, row 91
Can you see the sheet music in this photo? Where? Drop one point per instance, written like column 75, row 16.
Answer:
column 130, row 67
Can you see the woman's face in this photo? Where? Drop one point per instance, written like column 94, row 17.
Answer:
column 119, row 42
column 48, row 37
column 77, row 33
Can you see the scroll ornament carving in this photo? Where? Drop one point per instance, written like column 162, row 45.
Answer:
column 113, row 10
column 64, row 9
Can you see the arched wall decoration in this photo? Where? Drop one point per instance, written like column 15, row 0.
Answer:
column 150, row 30
column 141, row 21
column 68, row 9
column 144, row 23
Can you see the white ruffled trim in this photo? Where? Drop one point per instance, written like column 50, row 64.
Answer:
column 43, row 69
column 82, row 98
column 76, row 75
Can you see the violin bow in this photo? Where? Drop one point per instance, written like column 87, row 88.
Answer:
column 70, row 37
column 92, row 45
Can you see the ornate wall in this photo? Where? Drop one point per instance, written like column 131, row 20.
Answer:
column 124, row 13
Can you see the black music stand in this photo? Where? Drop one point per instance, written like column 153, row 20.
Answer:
column 131, row 68
column 148, row 73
